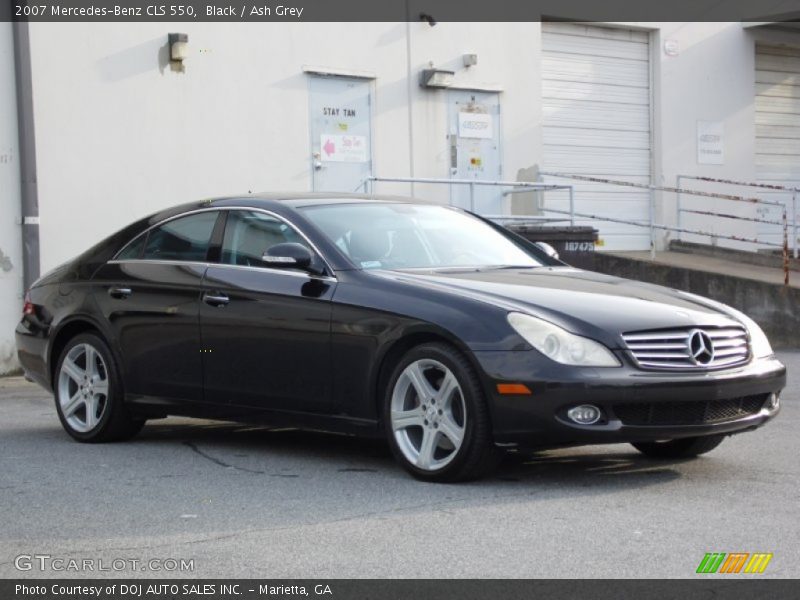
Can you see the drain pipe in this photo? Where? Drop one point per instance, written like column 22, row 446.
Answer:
column 27, row 154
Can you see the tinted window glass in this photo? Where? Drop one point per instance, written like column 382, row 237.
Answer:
column 134, row 249
column 185, row 238
column 248, row 235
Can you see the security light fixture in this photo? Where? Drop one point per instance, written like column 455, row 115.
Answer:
column 436, row 78
column 178, row 43
column 429, row 19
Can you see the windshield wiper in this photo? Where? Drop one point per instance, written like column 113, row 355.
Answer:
column 501, row 267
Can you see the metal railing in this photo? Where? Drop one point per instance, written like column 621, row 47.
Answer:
column 679, row 228
column 651, row 224
column 516, row 188
column 751, row 184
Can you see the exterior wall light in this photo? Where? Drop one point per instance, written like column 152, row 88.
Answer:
column 178, row 43
column 436, row 78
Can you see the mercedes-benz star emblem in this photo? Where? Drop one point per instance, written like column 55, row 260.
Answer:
column 701, row 348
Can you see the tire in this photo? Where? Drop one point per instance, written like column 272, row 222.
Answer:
column 445, row 442
column 682, row 448
column 89, row 400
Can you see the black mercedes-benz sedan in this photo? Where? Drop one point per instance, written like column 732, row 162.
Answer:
column 444, row 332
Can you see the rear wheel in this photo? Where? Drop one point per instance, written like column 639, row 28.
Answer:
column 682, row 448
column 436, row 417
column 88, row 393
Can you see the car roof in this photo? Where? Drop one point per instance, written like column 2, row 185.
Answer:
column 278, row 200
column 302, row 199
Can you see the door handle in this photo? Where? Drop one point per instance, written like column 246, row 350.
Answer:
column 217, row 299
column 119, row 292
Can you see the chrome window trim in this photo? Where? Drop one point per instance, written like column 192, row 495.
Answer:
column 153, row 261
column 194, row 263
column 149, row 229
column 269, row 213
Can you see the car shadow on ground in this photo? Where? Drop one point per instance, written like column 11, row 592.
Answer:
column 245, row 447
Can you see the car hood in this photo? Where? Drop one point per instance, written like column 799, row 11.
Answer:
column 580, row 301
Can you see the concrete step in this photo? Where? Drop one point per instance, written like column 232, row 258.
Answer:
column 770, row 258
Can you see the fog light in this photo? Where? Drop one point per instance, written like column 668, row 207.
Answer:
column 773, row 402
column 585, row 414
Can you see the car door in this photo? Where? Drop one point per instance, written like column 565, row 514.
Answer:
column 265, row 330
column 150, row 295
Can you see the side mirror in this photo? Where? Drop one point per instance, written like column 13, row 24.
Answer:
column 289, row 255
column 548, row 249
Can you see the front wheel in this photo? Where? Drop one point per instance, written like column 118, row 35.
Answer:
column 88, row 393
column 436, row 417
column 682, row 448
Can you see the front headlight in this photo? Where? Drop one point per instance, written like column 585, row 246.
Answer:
column 561, row 345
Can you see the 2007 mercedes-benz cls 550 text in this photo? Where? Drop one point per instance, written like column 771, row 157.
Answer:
column 444, row 332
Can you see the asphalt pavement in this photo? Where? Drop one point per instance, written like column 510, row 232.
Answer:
column 243, row 501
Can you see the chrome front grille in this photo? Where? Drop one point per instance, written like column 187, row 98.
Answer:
column 688, row 347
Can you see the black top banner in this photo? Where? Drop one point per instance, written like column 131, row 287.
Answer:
column 430, row 11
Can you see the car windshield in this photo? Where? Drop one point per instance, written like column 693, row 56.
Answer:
column 409, row 236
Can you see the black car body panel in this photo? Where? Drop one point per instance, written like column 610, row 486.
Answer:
column 316, row 349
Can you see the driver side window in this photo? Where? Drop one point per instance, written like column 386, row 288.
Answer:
column 249, row 234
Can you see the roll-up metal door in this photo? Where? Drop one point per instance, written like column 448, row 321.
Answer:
column 597, row 122
column 777, row 130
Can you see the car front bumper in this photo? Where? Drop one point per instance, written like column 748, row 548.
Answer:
column 657, row 400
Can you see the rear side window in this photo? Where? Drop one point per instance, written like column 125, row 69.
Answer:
column 134, row 249
column 185, row 238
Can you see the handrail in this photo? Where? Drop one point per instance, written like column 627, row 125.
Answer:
column 532, row 185
column 752, row 184
column 518, row 186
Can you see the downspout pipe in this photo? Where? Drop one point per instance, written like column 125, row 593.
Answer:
column 27, row 154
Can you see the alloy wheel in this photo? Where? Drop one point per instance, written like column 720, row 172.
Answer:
column 428, row 414
column 83, row 387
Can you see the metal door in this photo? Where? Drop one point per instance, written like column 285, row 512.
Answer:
column 341, row 145
column 474, row 137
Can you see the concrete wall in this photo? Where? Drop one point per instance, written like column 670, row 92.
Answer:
column 10, row 231
column 121, row 133
column 710, row 79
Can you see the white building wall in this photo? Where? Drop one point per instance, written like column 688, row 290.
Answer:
column 121, row 134
column 710, row 79
column 10, row 231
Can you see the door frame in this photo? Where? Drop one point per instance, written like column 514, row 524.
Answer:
column 450, row 92
column 369, row 79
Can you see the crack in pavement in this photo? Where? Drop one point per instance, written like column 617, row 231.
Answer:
column 219, row 462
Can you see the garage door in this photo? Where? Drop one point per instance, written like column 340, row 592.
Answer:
column 777, row 128
column 596, row 104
